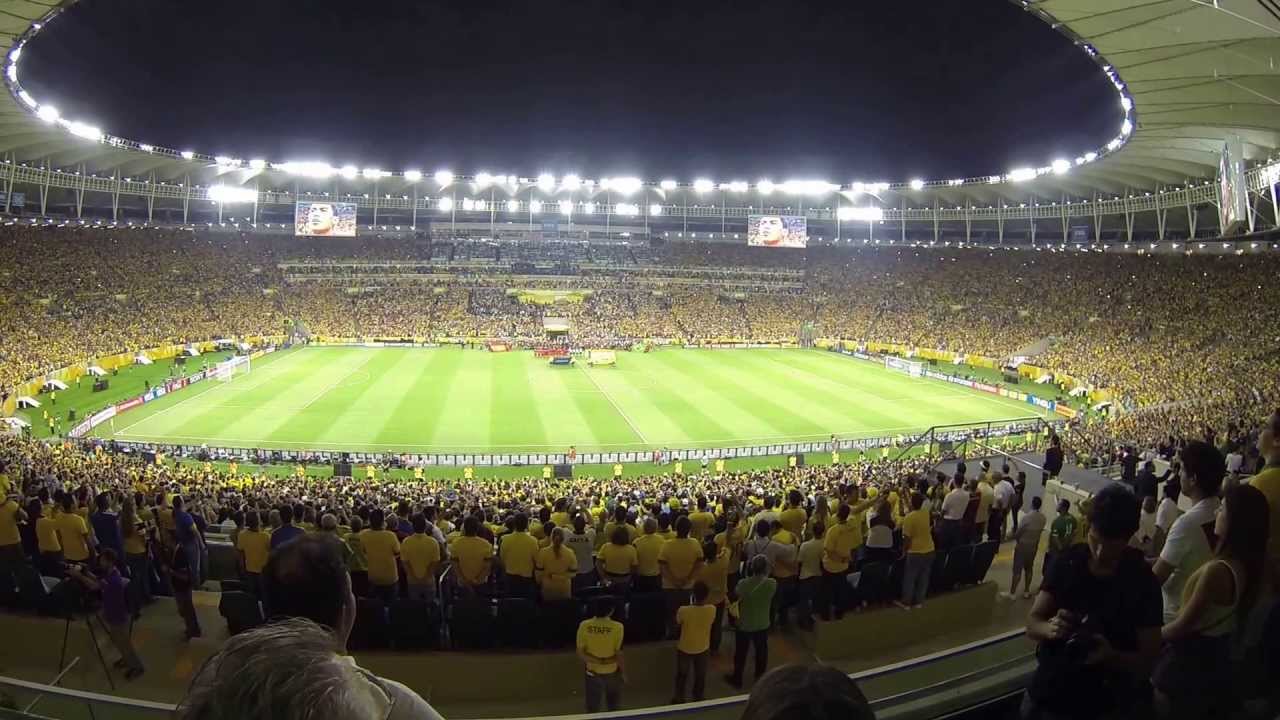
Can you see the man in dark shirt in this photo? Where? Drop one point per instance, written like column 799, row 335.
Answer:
column 1053, row 458
column 112, row 586
column 1129, row 467
column 1097, row 621
column 287, row 530
column 190, row 541
column 106, row 525
column 180, row 580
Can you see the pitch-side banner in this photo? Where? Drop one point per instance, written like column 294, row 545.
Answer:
column 787, row 231
column 325, row 219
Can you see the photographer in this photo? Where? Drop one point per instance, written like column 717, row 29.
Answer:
column 115, row 609
column 1097, row 621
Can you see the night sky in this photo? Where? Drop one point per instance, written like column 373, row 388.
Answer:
column 839, row 90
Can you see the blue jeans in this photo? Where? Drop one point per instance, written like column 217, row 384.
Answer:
column 915, row 577
column 194, row 556
column 607, row 688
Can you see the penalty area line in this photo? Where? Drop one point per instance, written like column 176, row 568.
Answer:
column 615, row 405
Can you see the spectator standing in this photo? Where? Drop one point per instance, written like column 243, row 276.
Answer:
column 1267, row 481
column 954, row 504
column 1062, row 535
column 1005, row 495
column 115, row 607
column 600, row 649
column 381, row 547
column 695, row 622
column 182, row 582
column 648, row 575
column 253, row 545
column 557, row 566
column 1191, row 541
column 357, row 560
column 73, row 532
column 917, row 540
column 473, row 555
column 1026, row 540
column 518, row 551
column 714, row 573
column 1194, row 678
column 755, row 601
column 809, row 558
column 190, row 540
column 106, row 525
column 287, row 530
column 837, row 553
column 421, row 555
column 12, row 557
column 1053, row 459
column 47, row 541
column 1103, row 596
column 582, row 541
column 679, row 560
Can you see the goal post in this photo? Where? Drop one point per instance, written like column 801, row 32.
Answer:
column 228, row 370
column 914, row 368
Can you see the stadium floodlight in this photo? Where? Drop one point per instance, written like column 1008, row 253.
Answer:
column 349, row 172
column 258, row 164
column 443, row 177
column 571, row 183
column 535, row 206
column 917, row 184
column 413, row 175
column 566, row 207
column 738, row 186
column 232, row 194
column 764, row 187
column 655, row 209
column 588, row 207
column 624, row 185
column 27, row 100
column 483, row 179
column 703, row 185
column 849, row 213
column 48, row 113
column 12, row 72
column 84, row 130
column 547, row 183
column 668, row 184
column 309, row 168
column 225, row 161
column 1021, row 174
column 513, row 206
column 1090, row 157
column 627, row 209
column 145, row 147
column 373, row 173
column 468, row 204
column 807, row 187
column 1126, row 127
column 445, row 204
column 954, row 183
column 1061, row 166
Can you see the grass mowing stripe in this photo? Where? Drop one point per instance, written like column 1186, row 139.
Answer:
column 513, row 411
column 467, row 405
column 577, row 412
column 420, row 406
column 694, row 364
column 669, row 417
column 363, row 394
column 614, row 403
column 824, row 397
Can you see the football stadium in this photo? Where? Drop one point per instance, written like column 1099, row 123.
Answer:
column 290, row 430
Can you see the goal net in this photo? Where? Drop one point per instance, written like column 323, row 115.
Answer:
column 228, row 370
column 913, row 368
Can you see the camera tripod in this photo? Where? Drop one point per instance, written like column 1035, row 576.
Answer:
column 93, row 639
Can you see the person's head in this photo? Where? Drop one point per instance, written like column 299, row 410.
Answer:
column 471, row 526
column 1036, row 503
column 1242, row 519
column 1149, row 504
column 419, row 523
column 1269, row 438
column 521, row 522
column 650, row 526
column 1064, row 506
column 178, row 503
column 377, row 520
column 103, row 502
column 602, row 606
column 357, row 524
column 620, row 536
column 306, row 577
column 683, row 526
column 700, row 592
column 759, row 566
column 107, row 559
column 1113, row 519
column 819, row 530
column 917, row 501
column 288, row 670
column 843, row 513
column 1203, row 469
column 329, row 523
column 286, row 514
column 795, row 498
column 253, row 520
column 710, row 551
column 762, row 528
column 557, row 539
column 807, row 692
column 579, row 523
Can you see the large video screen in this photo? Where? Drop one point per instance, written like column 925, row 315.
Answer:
column 786, row 231
column 325, row 219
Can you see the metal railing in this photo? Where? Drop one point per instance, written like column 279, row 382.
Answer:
column 64, row 703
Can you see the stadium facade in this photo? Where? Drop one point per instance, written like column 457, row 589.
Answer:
column 1188, row 77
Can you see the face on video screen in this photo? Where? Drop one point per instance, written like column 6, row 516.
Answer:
column 320, row 219
column 770, row 230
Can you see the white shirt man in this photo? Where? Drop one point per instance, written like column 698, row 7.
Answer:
column 1166, row 514
column 810, row 558
column 1235, row 462
column 954, row 504
column 1004, row 494
column 773, row 551
column 1186, row 549
column 583, row 546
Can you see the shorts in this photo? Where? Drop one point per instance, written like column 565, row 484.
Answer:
column 1024, row 558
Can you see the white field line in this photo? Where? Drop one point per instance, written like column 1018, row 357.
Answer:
column 267, row 371
column 335, row 383
column 614, row 403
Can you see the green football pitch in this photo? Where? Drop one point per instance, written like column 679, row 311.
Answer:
column 450, row 400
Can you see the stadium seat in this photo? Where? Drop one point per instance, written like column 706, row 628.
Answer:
column 517, row 625
column 959, row 566
column 558, row 621
column 415, row 625
column 471, row 623
column 873, row 584
column 983, row 555
column 371, row 631
column 241, row 610
column 646, row 617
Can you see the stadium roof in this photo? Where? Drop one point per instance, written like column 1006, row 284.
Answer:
column 1196, row 71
